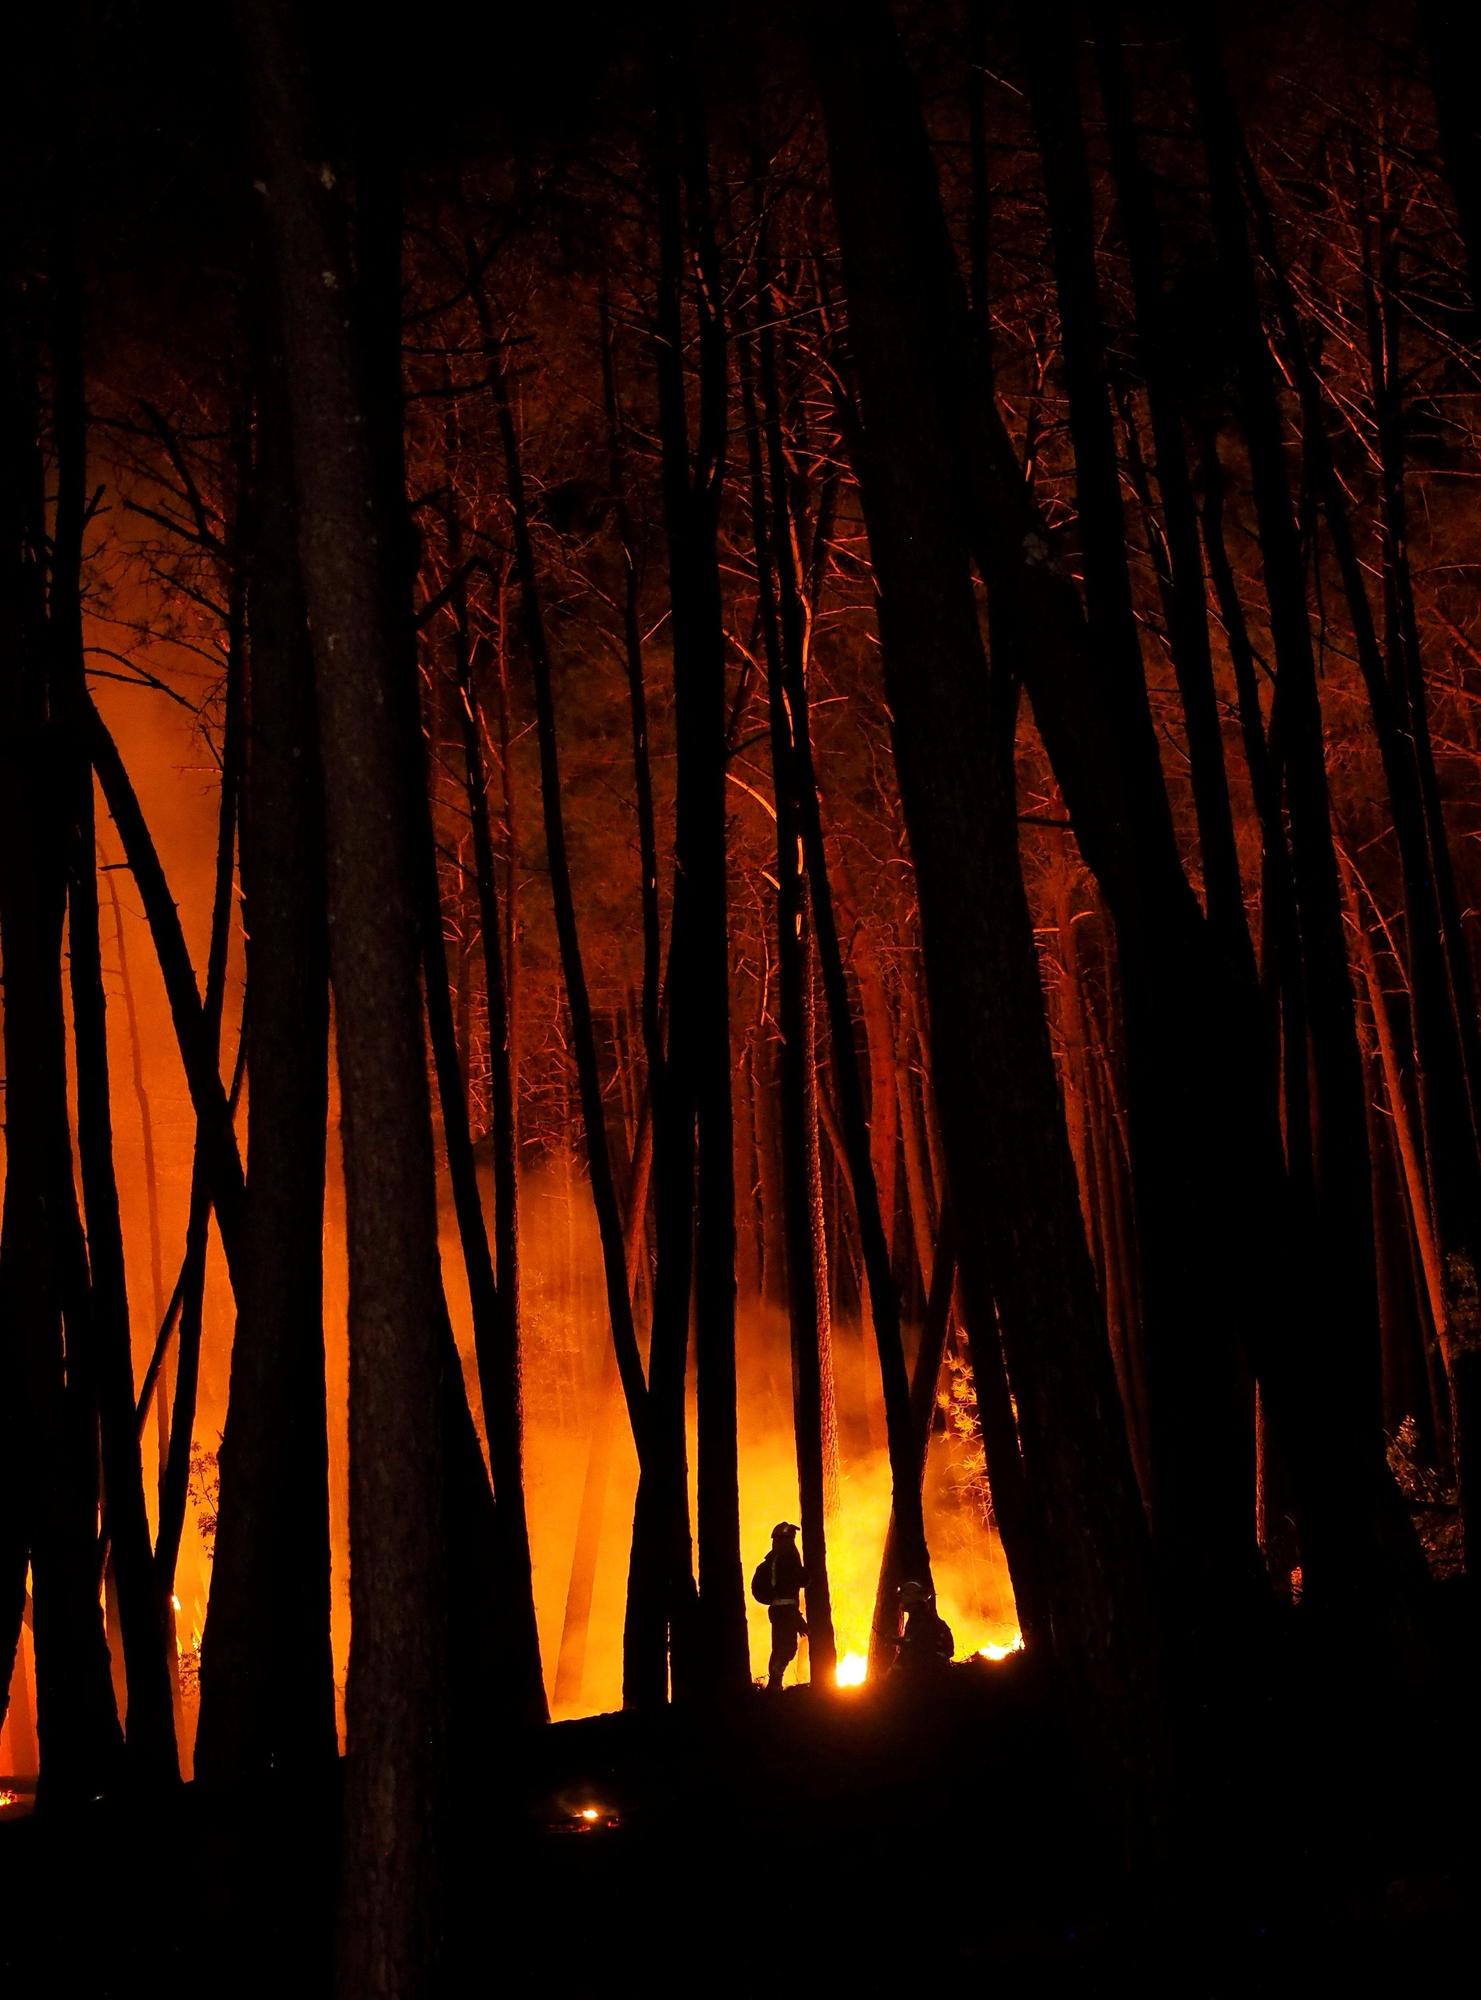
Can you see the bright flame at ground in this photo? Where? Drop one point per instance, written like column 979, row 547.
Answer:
column 9, row 1799
column 993, row 1651
column 851, row 1670
column 589, row 1813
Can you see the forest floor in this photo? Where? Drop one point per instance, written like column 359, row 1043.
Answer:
column 863, row 1838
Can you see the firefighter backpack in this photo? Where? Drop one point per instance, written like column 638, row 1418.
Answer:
column 761, row 1584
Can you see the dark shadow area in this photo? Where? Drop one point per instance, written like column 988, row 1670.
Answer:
column 866, row 1837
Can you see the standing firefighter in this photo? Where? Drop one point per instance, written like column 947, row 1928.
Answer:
column 778, row 1583
column 926, row 1644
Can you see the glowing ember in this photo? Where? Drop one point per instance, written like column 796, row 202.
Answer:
column 9, row 1799
column 851, row 1670
column 993, row 1651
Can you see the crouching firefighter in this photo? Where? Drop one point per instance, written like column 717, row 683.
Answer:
column 926, row 1644
column 778, row 1582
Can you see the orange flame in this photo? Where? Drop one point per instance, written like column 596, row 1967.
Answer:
column 994, row 1651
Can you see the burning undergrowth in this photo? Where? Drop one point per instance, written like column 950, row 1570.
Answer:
column 581, row 1469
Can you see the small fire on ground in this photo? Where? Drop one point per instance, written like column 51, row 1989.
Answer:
column 852, row 1669
column 993, row 1651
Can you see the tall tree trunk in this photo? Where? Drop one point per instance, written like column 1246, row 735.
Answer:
column 699, row 1006
column 150, row 1724
column 1444, row 1008
column 1447, row 1032
column 573, row 971
column 1200, row 1453
column 884, row 1298
column 813, row 1415
column 1342, row 1181
column 49, row 1495
column 657, row 1539
column 495, row 1302
column 1012, row 1179
column 267, row 1670
column 396, row 1781
column 1188, row 632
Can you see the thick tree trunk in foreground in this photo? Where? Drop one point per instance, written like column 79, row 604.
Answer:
column 267, row 1672
column 52, row 1489
column 150, row 1723
column 1012, row 1180
column 497, row 1678
column 396, row 1780
column 44, row 1333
